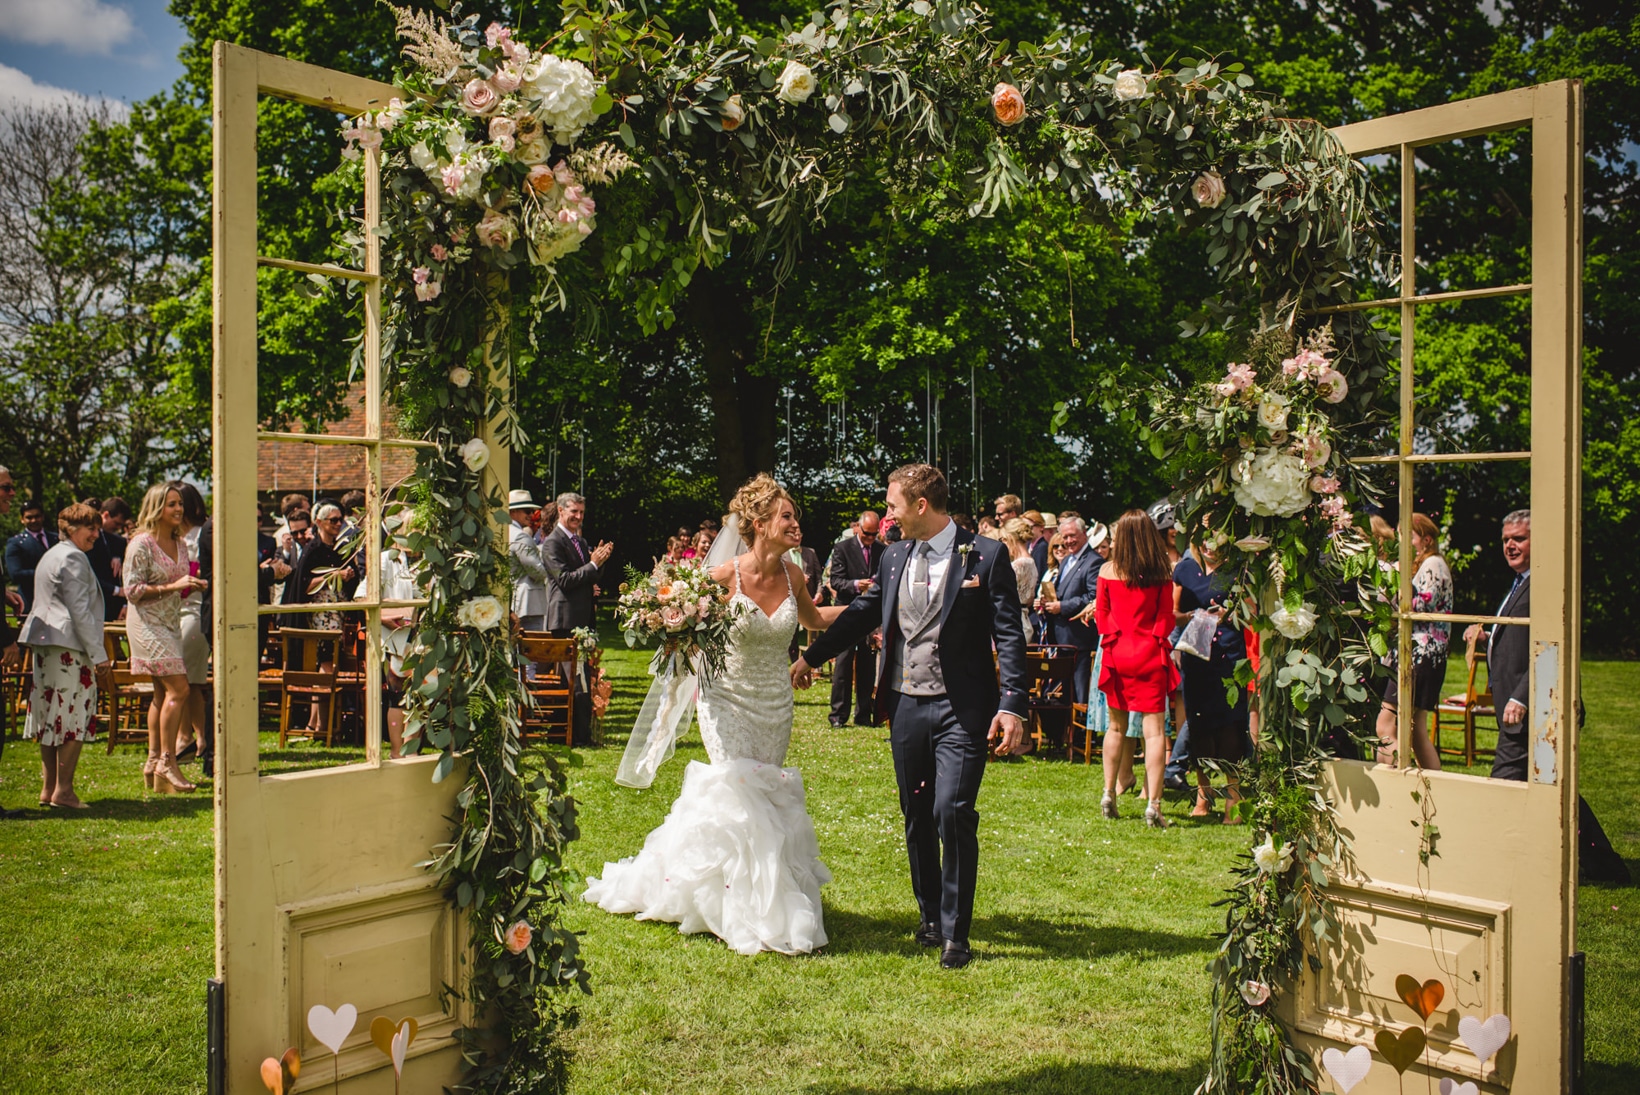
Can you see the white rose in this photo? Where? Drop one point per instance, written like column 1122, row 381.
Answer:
column 531, row 150
column 564, row 92
column 1273, row 484
column 475, row 454
column 460, row 376
column 1270, row 859
column 1294, row 625
column 1130, row 85
column 1208, row 190
column 1272, row 411
column 796, row 83
column 482, row 613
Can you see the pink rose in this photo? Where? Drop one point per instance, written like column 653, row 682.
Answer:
column 440, row 252
column 1324, row 484
column 427, row 291
column 1007, row 104
column 1255, row 993
column 453, row 175
column 518, row 936
column 497, row 230
column 420, row 275
column 1208, row 190
column 1332, row 386
column 506, row 79
column 672, row 618
column 478, row 97
column 502, row 127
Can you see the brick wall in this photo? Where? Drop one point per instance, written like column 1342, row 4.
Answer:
column 286, row 467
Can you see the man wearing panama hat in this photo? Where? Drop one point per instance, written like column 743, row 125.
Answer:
column 529, row 572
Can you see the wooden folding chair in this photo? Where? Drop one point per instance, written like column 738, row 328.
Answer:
column 1051, row 690
column 13, row 687
column 125, row 708
column 1472, row 705
column 302, row 677
column 550, row 697
column 1079, row 738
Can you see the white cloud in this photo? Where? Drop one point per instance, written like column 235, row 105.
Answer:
column 18, row 88
column 80, row 26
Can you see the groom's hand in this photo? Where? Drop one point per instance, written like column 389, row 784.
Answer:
column 802, row 675
column 1010, row 729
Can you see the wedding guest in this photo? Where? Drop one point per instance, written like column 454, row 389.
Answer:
column 1008, row 507
column 1038, row 546
column 1015, row 536
column 320, row 576
column 1432, row 593
column 966, row 522
column 196, row 651
column 572, row 574
column 1047, row 589
column 529, row 572
column 400, row 582
column 1506, row 647
column 1217, row 728
column 352, row 514
column 703, row 543
column 271, row 571
column 156, row 579
column 1074, row 589
column 65, row 632
column 1134, row 613
column 987, row 527
column 25, row 550
column 854, row 562
column 107, row 554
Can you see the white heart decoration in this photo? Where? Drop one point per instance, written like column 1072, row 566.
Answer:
column 332, row 1027
column 1465, row 1088
column 401, row 1043
column 1349, row 1068
column 1484, row 1039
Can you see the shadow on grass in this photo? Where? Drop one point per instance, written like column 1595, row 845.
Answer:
column 1602, row 1078
column 1054, row 1079
column 153, row 808
column 1042, row 938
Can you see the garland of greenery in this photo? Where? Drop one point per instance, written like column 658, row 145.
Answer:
column 490, row 165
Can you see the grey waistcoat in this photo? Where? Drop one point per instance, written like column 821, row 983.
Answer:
column 915, row 666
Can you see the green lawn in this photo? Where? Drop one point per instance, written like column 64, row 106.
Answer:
column 1090, row 938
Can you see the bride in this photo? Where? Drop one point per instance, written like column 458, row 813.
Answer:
column 737, row 854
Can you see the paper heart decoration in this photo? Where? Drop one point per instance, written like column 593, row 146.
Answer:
column 1401, row 1051
column 1484, row 1039
column 332, row 1027
column 1424, row 998
column 1465, row 1088
column 1349, row 1068
column 393, row 1039
column 279, row 1073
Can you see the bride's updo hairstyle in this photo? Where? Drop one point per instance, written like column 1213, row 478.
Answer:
column 758, row 500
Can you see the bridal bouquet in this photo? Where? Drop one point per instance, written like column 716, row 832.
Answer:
column 683, row 610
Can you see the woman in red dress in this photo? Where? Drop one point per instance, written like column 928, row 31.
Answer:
column 1134, row 614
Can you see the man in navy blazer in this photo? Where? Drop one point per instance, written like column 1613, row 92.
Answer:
column 943, row 599
column 25, row 550
column 1075, row 591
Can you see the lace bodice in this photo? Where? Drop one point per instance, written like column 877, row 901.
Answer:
column 746, row 711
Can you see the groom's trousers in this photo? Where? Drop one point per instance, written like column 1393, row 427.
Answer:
column 939, row 766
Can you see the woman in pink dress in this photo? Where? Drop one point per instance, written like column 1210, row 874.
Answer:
column 1134, row 614
column 157, row 577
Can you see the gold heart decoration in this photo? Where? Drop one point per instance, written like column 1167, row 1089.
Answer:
column 1424, row 998
column 1403, row 1051
column 279, row 1073
column 382, row 1030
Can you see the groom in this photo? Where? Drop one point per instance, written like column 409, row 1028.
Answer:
column 943, row 599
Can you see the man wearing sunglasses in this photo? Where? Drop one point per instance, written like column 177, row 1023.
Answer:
column 853, row 571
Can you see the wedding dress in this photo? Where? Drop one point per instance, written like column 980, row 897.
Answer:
column 737, row 855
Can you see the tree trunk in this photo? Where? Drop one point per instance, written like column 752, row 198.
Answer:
column 743, row 402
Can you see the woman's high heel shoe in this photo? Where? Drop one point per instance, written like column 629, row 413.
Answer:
column 148, row 768
column 168, row 775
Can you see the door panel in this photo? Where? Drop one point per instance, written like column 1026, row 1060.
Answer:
column 1492, row 915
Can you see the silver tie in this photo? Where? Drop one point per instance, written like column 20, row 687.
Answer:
column 919, row 577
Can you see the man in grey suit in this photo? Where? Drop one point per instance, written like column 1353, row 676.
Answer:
column 572, row 576
column 1507, row 650
column 529, row 570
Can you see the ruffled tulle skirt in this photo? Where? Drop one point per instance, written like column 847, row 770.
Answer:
column 737, row 857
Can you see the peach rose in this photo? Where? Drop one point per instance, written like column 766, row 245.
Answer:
column 732, row 113
column 518, row 936
column 540, row 179
column 1008, row 105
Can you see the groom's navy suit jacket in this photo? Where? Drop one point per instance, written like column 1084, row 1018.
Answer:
column 972, row 618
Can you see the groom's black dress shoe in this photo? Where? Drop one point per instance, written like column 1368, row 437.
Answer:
column 928, row 935
column 956, row 955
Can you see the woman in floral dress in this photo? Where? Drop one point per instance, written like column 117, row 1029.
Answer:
column 156, row 580
column 1431, row 592
column 65, row 632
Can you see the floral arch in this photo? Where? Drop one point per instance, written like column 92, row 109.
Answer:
column 501, row 158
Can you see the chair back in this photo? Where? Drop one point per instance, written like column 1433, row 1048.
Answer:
column 299, row 647
column 537, row 646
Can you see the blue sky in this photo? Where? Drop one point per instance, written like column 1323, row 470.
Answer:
column 114, row 49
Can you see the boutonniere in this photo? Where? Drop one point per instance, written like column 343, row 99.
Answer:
column 963, row 551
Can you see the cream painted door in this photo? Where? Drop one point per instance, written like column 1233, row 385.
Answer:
column 319, row 896
column 1492, row 916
